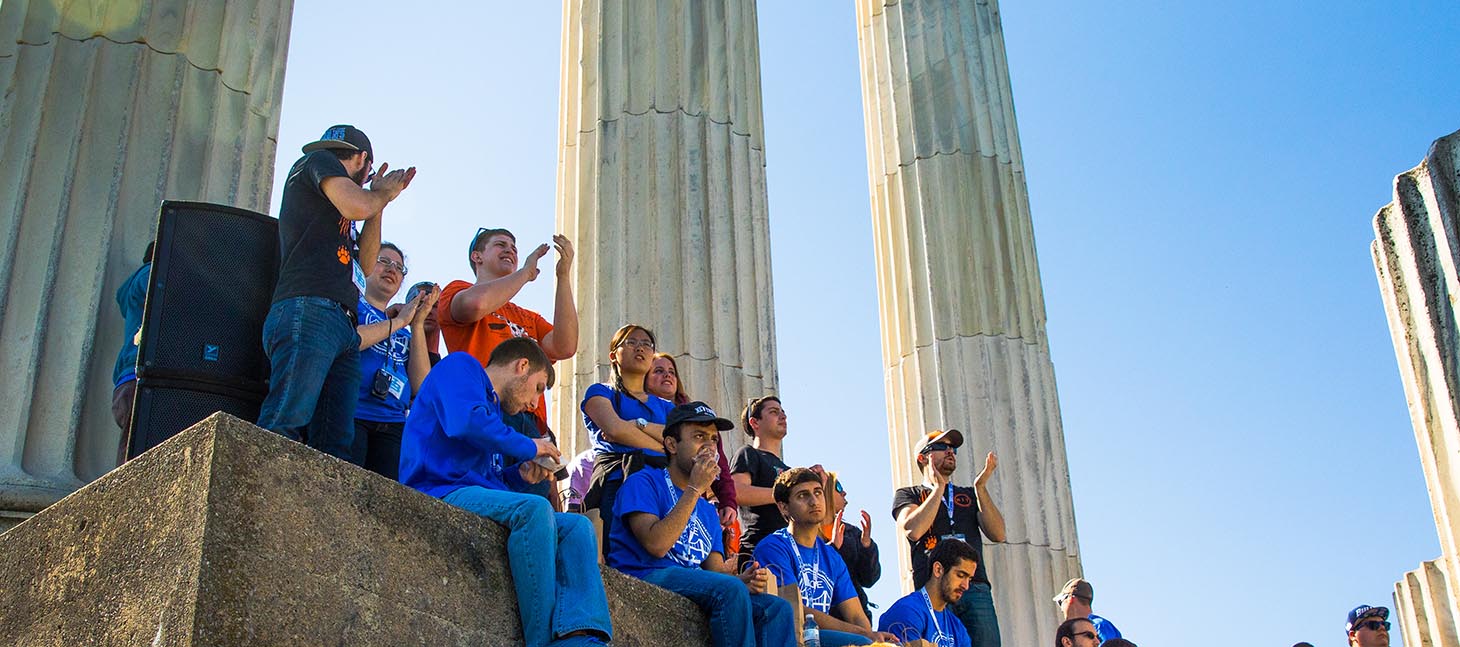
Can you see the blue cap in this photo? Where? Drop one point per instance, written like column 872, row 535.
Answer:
column 1365, row 611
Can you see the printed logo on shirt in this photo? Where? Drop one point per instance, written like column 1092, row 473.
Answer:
column 816, row 587
column 962, row 500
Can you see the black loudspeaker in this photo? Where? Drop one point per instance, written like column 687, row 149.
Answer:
column 213, row 274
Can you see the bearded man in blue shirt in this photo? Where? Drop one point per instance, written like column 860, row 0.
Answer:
column 455, row 447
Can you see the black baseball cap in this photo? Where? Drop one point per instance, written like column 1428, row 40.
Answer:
column 695, row 412
column 342, row 137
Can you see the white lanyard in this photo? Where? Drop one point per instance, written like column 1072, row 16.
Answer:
column 938, row 629
column 683, row 551
column 800, row 566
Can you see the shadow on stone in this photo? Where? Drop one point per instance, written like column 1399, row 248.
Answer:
column 231, row 535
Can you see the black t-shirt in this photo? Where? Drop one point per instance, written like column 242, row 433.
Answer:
column 762, row 520
column 316, row 243
column 965, row 522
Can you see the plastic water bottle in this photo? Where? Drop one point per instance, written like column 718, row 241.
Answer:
column 811, row 635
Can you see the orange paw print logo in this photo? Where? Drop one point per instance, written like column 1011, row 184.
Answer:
column 930, row 543
column 343, row 255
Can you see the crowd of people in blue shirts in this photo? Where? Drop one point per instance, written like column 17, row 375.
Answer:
column 762, row 547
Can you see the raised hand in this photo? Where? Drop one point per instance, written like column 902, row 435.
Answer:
column 564, row 248
column 838, row 531
column 727, row 516
column 990, row 463
column 866, row 530
column 392, row 182
column 427, row 300
column 531, row 263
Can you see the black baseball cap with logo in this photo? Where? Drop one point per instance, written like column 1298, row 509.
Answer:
column 344, row 137
column 695, row 412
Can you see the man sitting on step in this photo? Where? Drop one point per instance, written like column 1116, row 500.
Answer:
column 456, row 447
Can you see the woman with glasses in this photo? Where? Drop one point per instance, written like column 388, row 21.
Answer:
column 393, row 361
column 625, row 422
column 663, row 381
column 854, row 544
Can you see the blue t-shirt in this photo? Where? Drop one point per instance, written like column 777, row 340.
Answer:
column 130, row 298
column 912, row 618
column 454, row 436
column 655, row 410
column 818, row 571
column 1104, row 627
column 651, row 490
column 391, row 354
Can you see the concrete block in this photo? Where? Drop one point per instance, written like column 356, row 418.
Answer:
column 230, row 535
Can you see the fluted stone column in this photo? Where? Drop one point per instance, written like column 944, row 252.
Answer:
column 661, row 185
column 107, row 109
column 962, row 310
column 1416, row 255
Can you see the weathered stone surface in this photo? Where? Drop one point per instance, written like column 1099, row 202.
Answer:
column 106, row 109
column 661, row 152
column 1417, row 258
column 230, row 535
column 962, row 307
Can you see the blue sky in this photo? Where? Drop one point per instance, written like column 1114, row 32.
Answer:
column 1203, row 178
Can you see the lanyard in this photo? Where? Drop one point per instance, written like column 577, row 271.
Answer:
column 801, row 575
column 939, row 638
column 948, row 501
column 686, row 551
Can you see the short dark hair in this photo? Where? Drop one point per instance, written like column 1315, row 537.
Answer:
column 343, row 154
column 1121, row 642
column 389, row 245
column 752, row 410
column 478, row 243
column 1067, row 630
column 789, row 479
column 526, row 348
column 950, row 551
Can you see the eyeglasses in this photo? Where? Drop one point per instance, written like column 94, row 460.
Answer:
column 1087, row 634
column 637, row 343
column 1373, row 625
column 940, row 447
column 399, row 267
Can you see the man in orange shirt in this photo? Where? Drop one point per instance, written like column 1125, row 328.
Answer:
column 475, row 317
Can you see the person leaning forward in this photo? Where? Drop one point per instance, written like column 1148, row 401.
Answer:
column 309, row 334
column 937, row 510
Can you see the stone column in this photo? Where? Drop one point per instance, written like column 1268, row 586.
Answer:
column 108, row 108
column 962, row 309
column 661, row 185
column 1416, row 255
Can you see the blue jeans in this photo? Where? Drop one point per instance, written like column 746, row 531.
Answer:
column 735, row 613
column 834, row 638
column 314, row 374
column 976, row 610
column 554, row 562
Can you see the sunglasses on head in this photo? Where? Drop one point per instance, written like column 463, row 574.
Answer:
column 473, row 247
column 839, row 489
column 1373, row 625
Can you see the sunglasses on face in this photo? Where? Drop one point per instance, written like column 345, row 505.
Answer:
column 1087, row 634
column 1373, row 625
column 940, row 447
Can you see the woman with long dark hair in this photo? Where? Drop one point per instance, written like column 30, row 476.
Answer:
column 625, row 422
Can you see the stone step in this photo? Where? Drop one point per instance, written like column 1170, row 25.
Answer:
column 228, row 534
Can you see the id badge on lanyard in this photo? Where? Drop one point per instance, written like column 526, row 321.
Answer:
column 948, row 505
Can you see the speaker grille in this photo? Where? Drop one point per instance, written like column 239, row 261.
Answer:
column 162, row 410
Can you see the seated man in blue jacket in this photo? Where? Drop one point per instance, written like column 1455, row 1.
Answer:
column 456, row 447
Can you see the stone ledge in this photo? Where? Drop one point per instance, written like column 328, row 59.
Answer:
column 230, row 535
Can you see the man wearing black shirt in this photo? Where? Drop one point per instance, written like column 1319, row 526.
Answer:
column 939, row 511
column 309, row 335
column 755, row 469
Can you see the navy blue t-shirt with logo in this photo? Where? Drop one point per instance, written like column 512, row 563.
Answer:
column 390, row 354
column 316, row 243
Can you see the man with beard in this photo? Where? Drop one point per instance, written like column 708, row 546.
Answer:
column 924, row 614
column 457, row 448
column 937, row 511
column 309, row 334
column 667, row 534
column 808, row 566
